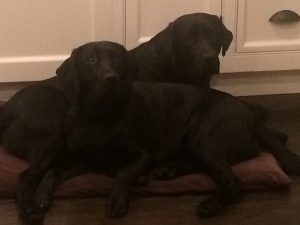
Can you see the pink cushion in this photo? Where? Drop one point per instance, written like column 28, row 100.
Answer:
column 260, row 172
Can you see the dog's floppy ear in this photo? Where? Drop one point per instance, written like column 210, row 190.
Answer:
column 226, row 40
column 67, row 70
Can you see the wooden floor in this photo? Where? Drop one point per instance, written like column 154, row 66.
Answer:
column 260, row 208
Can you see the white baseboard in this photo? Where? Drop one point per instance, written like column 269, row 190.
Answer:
column 258, row 83
column 238, row 84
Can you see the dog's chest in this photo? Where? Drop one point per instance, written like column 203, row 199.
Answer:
column 111, row 145
column 160, row 121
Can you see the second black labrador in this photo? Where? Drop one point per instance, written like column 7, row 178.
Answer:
column 187, row 51
column 129, row 128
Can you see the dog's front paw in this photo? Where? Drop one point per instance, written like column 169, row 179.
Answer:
column 118, row 205
column 210, row 207
column 31, row 212
column 43, row 201
column 164, row 173
column 32, row 215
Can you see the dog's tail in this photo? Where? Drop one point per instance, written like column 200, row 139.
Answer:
column 262, row 114
column 288, row 160
column 259, row 111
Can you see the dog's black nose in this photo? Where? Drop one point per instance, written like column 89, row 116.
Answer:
column 110, row 77
column 209, row 56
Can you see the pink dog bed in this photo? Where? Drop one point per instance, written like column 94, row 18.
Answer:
column 259, row 173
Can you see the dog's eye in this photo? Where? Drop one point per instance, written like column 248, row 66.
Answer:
column 190, row 38
column 117, row 58
column 92, row 60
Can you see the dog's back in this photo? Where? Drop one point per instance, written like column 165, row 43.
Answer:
column 31, row 113
column 174, row 111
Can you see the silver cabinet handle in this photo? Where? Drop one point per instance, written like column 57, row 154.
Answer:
column 285, row 16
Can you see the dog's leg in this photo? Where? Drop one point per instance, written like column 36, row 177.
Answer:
column 29, row 180
column 119, row 197
column 45, row 190
column 210, row 154
column 56, row 176
column 45, row 154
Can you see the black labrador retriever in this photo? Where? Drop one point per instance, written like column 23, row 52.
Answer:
column 187, row 51
column 127, row 128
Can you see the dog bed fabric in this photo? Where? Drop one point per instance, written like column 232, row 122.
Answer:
column 258, row 173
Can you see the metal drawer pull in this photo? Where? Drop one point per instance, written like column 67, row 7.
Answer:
column 285, row 16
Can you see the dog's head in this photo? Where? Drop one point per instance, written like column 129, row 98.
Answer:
column 97, row 72
column 197, row 40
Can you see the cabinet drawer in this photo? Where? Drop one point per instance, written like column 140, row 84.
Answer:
column 255, row 33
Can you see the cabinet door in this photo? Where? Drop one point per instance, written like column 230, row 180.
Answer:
column 255, row 31
column 36, row 36
column 145, row 18
column 259, row 44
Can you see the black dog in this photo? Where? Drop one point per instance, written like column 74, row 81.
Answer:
column 128, row 127
column 185, row 52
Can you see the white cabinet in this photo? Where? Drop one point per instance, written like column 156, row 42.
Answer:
column 258, row 44
column 145, row 18
column 255, row 31
column 261, row 45
column 36, row 36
